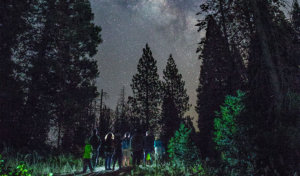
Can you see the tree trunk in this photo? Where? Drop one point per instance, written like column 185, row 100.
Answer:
column 266, row 53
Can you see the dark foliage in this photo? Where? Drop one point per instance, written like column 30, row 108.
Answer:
column 146, row 89
column 260, row 31
column 170, row 120
column 173, row 85
column 57, row 74
column 175, row 100
column 121, row 123
column 12, row 25
column 218, row 77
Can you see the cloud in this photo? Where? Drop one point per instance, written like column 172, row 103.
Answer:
column 156, row 11
column 167, row 25
column 171, row 15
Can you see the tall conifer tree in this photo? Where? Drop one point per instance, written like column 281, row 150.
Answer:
column 174, row 85
column 12, row 25
column 175, row 100
column 216, row 81
column 146, row 89
column 171, row 120
column 61, row 85
column 259, row 29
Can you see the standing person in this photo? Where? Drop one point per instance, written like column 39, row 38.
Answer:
column 126, row 149
column 108, row 149
column 117, row 157
column 158, row 148
column 96, row 144
column 137, row 148
column 148, row 148
column 87, row 156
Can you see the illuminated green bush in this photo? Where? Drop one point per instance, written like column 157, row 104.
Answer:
column 226, row 122
column 230, row 137
column 42, row 165
column 168, row 169
column 183, row 158
column 183, row 154
column 20, row 170
column 181, row 149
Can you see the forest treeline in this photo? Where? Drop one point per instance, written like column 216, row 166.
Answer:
column 47, row 73
column 249, row 46
column 248, row 100
column 48, row 79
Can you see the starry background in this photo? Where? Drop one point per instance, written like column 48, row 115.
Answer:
column 168, row 26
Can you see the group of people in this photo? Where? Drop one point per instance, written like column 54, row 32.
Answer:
column 118, row 149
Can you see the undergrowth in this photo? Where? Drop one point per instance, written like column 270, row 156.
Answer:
column 36, row 165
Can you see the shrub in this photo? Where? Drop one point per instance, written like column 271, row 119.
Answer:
column 168, row 169
column 230, row 137
column 183, row 153
column 42, row 165
column 20, row 170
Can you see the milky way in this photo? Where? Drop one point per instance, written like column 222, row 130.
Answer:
column 168, row 26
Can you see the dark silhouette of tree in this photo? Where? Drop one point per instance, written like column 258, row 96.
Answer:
column 121, row 120
column 173, row 85
column 146, row 90
column 105, row 124
column 230, row 139
column 181, row 148
column 271, row 70
column 296, row 43
column 132, row 112
column 12, row 25
column 260, row 31
column 218, row 77
column 61, row 74
column 175, row 100
column 170, row 120
column 296, row 19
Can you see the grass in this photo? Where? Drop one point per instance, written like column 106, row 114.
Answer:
column 67, row 163
column 169, row 169
column 42, row 165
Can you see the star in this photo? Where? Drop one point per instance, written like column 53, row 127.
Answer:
column 168, row 26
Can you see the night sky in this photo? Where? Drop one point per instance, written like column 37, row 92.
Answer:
column 168, row 26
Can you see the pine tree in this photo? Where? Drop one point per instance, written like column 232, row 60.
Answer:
column 12, row 25
column 234, row 19
column 62, row 75
column 270, row 73
column 133, row 114
column 216, row 80
column 174, row 86
column 229, row 136
column 182, row 151
column 261, row 32
column 175, row 100
column 170, row 119
column 146, row 89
